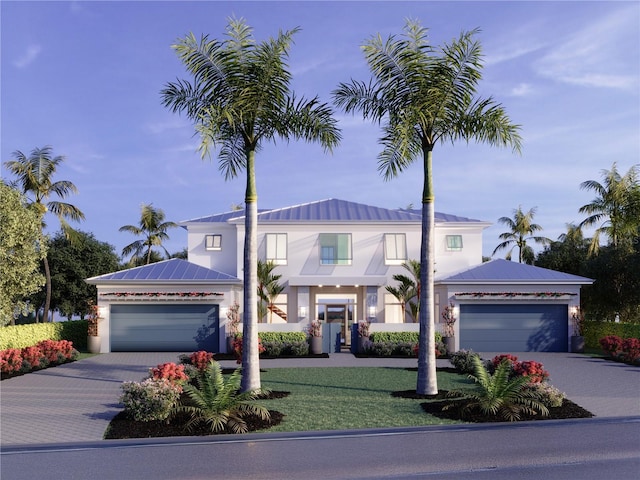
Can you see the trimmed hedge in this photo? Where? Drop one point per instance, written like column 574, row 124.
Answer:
column 20, row 336
column 283, row 337
column 399, row 337
column 594, row 331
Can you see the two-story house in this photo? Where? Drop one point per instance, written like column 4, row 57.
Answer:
column 335, row 259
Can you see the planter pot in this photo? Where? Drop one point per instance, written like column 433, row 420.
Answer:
column 577, row 344
column 93, row 344
column 449, row 343
column 316, row 345
column 362, row 343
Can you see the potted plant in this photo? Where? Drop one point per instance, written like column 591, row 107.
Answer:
column 315, row 337
column 448, row 315
column 233, row 323
column 363, row 334
column 577, row 339
column 93, row 339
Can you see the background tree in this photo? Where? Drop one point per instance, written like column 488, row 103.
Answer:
column 423, row 96
column 269, row 287
column 568, row 254
column 521, row 230
column 616, row 208
column 22, row 249
column 73, row 262
column 35, row 177
column 240, row 97
column 153, row 229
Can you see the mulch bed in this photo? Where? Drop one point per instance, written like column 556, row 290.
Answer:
column 122, row 426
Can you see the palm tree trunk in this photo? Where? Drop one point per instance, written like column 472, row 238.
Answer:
column 427, row 382
column 250, row 354
column 47, row 301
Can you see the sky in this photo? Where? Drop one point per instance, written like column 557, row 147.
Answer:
column 85, row 78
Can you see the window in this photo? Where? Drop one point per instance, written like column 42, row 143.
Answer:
column 395, row 248
column 454, row 243
column 277, row 248
column 335, row 249
column 213, row 242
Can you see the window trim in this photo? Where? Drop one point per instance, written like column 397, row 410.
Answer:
column 398, row 259
column 213, row 242
column 335, row 248
column 276, row 237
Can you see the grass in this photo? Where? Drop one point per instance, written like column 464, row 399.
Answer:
column 349, row 398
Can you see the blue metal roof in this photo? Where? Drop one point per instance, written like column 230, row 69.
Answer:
column 501, row 270
column 333, row 210
column 174, row 270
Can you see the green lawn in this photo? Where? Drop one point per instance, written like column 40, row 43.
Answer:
column 350, row 398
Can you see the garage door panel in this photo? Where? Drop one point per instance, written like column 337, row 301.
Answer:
column 514, row 328
column 164, row 327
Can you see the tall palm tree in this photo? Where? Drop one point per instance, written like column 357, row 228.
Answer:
column 269, row 286
column 240, row 98
column 35, row 178
column 153, row 229
column 616, row 207
column 521, row 230
column 422, row 96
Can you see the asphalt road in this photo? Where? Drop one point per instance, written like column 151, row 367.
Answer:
column 574, row 449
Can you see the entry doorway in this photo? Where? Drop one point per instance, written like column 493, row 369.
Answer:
column 338, row 311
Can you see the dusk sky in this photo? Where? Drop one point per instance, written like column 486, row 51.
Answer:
column 85, row 77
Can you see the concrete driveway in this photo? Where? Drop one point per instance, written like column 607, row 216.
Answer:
column 75, row 402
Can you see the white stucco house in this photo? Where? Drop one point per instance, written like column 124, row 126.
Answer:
column 336, row 257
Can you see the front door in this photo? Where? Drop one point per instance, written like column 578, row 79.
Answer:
column 340, row 314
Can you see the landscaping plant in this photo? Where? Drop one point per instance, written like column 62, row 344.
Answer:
column 151, row 399
column 218, row 402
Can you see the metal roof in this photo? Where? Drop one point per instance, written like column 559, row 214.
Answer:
column 332, row 210
column 501, row 270
column 174, row 270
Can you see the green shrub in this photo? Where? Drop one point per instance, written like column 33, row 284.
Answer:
column 272, row 349
column 547, row 394
column 20, row 336
column 297, row 348
column 382, row 349
column 152, row 399
column 594, row 331
column 394, row 337
column 462, row 360
column 282, row 337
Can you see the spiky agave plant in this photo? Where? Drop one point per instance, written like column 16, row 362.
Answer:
column 498, row 394
column 219, row 402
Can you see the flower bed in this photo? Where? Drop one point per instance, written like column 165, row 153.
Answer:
column 626, row 350
column 47, row 353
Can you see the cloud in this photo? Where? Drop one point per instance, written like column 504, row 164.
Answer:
column 521, row 90
column 599, row 55
column 28, row 57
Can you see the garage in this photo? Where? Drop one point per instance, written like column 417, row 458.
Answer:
column 514, row 327
column 164, row 327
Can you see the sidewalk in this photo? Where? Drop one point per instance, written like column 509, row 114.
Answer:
column 75, row 402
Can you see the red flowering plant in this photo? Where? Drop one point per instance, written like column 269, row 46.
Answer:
column 33, row 358
column 10, row 361
column 200, row 360
column 169, row 371
column 533, row 370
column 237, row 348
column 498, row 359
column 631, row 350
column 611, row 345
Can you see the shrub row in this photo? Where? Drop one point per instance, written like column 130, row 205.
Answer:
column 594, row 331
column 462, row 361
column 625, row 350
column 283, row 337
column 20, row 336
column 47, row 353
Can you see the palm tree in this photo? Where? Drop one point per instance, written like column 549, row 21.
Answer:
column 35, row 177
column 240, row 98
column 268, row 286
column 154, row 230
column 408, row 289
column 424, row 96
column 617, row 206
column 521, row 230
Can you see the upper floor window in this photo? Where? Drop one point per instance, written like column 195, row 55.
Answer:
column 213, row 242
column 277, row 248
column 395, row 248
column 335, row 249
column 454, row 243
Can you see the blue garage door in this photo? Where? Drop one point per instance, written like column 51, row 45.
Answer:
column 514, row 328
column 164, row 328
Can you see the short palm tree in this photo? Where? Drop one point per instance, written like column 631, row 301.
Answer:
column 500, row 394
column 218, row 402
column 35, row 178
column 616, row 207
column 424, row 96
column 240, row 98
column 269, row 286
column 408, row 290
column 521, row 230
column 153, row 229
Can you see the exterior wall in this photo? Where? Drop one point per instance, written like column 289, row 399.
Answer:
column 223, row 260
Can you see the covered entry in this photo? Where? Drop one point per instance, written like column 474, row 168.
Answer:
column 513, row 327
column 164, row 327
